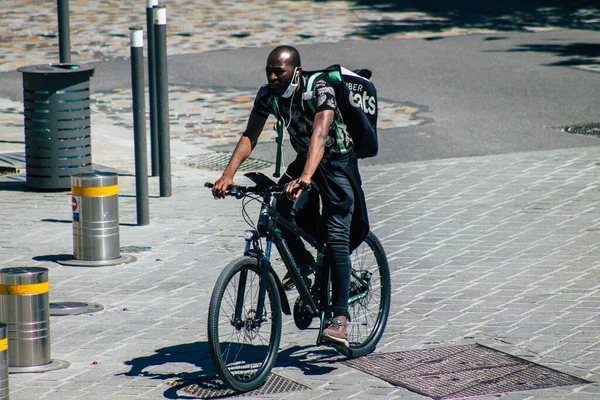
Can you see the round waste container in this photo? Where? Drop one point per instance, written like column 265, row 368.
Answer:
column 56, row 101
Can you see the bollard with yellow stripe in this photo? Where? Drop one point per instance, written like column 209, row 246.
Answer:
column 95, row 207
column 25, row 310
column 3, row 362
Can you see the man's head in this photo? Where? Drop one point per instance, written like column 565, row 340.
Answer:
column 281, row 64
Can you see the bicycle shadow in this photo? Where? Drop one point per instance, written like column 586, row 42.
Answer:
column 161, row 365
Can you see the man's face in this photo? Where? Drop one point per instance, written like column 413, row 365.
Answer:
column 279, row 73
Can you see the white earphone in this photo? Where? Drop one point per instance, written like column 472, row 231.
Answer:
column 293, row 84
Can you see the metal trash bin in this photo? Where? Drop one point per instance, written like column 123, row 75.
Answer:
column 24, row 308
column 56, row 101
column 95, row 205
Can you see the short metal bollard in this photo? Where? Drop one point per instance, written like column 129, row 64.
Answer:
column 56, row 102
column 95, row 204
column 3, row 362
column 24, row 308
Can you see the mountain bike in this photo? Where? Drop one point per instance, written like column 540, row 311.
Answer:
column 245, row 312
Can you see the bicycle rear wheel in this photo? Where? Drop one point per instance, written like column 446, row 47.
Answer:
column 242, row 351
column 370, row 296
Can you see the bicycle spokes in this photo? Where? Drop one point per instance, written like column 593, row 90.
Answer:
column 368, row 303
column 244, row 335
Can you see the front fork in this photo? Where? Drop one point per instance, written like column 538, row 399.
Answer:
column 264, row 266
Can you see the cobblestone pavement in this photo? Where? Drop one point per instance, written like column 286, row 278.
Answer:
column 192, row 26
column 200, row 117
column 100, row 29
column 499, row 250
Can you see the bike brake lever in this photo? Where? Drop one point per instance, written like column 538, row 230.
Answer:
column 235, row 191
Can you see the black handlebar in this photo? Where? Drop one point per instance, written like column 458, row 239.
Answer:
column 240, row 191
column 235, row 190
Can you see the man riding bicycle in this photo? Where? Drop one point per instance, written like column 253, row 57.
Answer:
column 325, row 159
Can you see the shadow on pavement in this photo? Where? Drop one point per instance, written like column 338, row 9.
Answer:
column 14, row 185
column 53, row 258
column 309, row 359
column 577, row 54
column 510, row 15
column 196, row 353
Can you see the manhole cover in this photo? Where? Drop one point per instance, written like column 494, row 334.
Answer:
column 213, row 388
column 73, row 308
column 218, row 161
column 592, row 129
column 134, row 249
column 458, row 372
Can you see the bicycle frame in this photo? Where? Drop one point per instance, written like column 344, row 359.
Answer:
column 267, row 228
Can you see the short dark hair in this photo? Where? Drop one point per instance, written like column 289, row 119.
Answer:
column 294, row 55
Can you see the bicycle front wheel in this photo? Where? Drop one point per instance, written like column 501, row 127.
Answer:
column 370, row 296
column 243, row 347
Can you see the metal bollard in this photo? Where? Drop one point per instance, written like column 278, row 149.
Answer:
column 3, row 362
column 139, row 125
column 162, row 101
column 150, row 16
column 24, row 308
column 64, row 31
column 95, row 204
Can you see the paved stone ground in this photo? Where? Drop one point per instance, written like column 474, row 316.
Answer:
column 498, row 250
column 100, row 30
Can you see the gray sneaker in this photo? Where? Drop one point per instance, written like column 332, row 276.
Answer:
column 336, row 333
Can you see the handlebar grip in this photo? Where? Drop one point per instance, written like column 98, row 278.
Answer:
column 233, row 190
column 303, row 185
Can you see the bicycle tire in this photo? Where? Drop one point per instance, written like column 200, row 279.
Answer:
column 369, row 314
column 243, row 357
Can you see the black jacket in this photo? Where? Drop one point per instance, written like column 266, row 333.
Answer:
column 327, row 186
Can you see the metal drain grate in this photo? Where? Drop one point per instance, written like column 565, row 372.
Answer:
column 218, row 161
column 591, row 129
column 458, row 372
column 213, row 388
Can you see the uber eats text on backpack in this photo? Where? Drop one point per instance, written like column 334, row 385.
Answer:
column 356, row 97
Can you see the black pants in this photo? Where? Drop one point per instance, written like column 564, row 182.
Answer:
column 334, row 223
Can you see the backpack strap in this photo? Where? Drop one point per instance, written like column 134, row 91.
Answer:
column 279, row 139
column 332, row 74
column 328, row 76
column 308, row 92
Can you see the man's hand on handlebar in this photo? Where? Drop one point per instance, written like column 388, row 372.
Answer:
column 294, row 188
column 220, row 187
